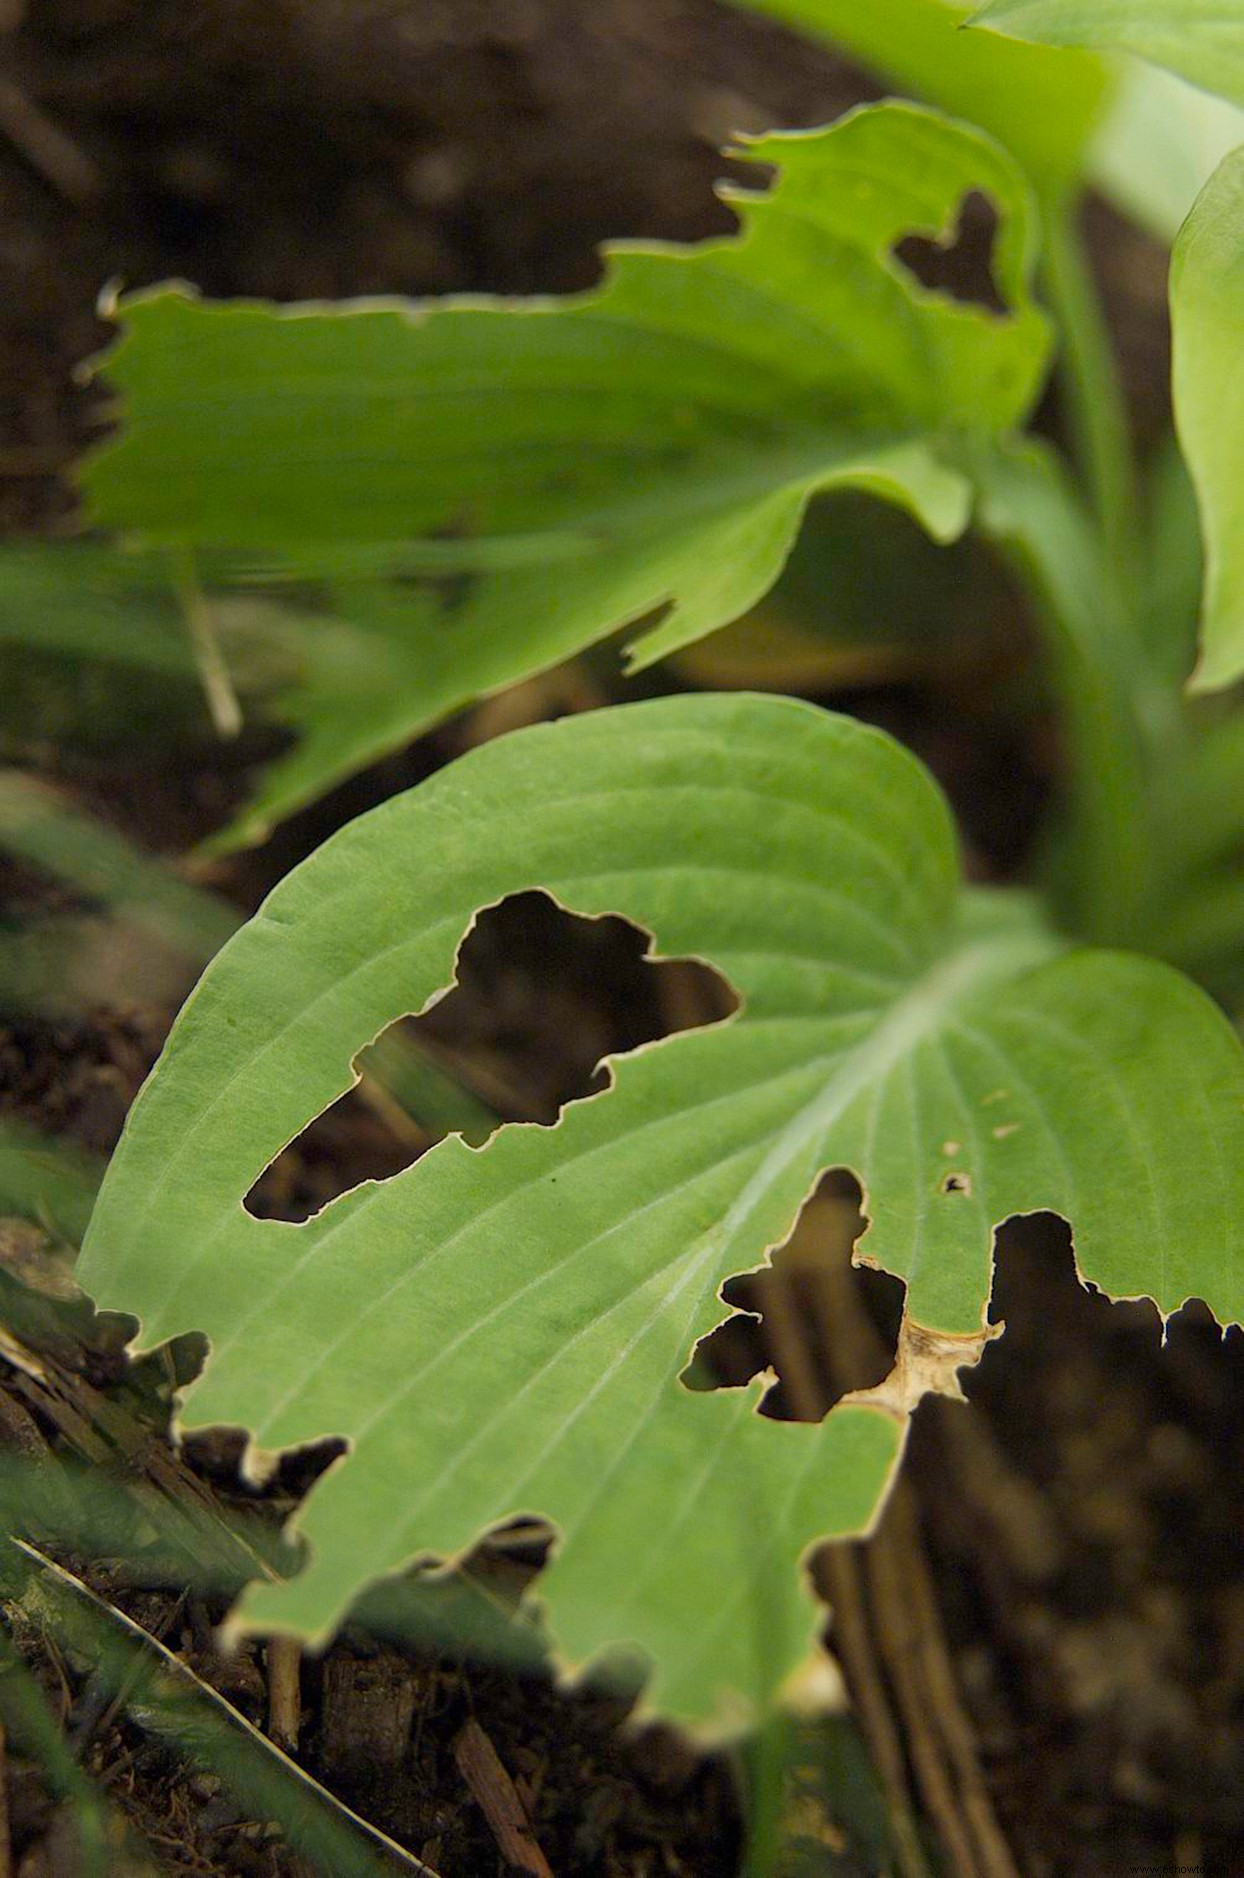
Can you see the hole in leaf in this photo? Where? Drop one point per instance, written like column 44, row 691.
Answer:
column 540, row 997
column 961, row 267
column 823, row 1324
column 1100, row 1465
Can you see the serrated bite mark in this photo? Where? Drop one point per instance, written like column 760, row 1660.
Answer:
column 817, row 1319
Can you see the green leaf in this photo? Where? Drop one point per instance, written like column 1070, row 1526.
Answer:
column 1103, row 852
column 1040, row 104
column 1202, row 40
column 490, row 487
column 357, row 673
column 1207, row 320
column 503, row 1331
column 716, row 377
column 163, row 1696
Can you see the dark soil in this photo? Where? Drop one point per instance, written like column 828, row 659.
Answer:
column 1082, row 1520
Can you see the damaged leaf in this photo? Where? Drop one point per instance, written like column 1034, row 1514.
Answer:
column 501, row 483
column 1140, row 135
column 503, row 1331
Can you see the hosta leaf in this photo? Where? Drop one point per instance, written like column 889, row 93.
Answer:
column 503, row 1331
column 1202, row 40
column 1207, row 319
column 543, row 431
column 528, row 475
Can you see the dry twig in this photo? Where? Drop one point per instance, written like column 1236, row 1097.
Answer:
column 498, row 1800
column 284, row 1691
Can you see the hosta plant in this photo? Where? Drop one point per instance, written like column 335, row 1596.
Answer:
column 504, row 1332
column 480, row 489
